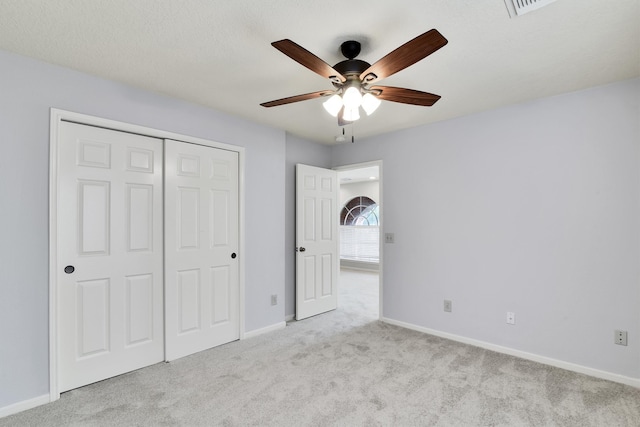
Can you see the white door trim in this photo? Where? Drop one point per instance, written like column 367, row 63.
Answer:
column 381, row 238
column 57, row 116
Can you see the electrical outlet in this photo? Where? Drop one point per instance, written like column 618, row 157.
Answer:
column 620, row 337
column 511, row 318
column 274, row 299
column 447, row 306
column 389, row 238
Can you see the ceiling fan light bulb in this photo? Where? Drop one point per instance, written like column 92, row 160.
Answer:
column 370, row 103
column 352, row 98
column 333, row 105
column 351, row 114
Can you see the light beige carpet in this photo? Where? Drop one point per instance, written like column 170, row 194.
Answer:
column 344, row 368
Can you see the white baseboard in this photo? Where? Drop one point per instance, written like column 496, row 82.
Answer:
column 266, row 329
column 289, row 317
column 24, row 405
column 633, row 382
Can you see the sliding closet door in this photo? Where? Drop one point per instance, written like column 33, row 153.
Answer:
column 109, row 254
column 201, row 247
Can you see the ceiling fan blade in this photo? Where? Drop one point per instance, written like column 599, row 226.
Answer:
column 405, row 96
column 297, row 98
column 308, row 59
column 404, row 56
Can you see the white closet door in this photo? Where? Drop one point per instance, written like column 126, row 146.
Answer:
column 110, row 251
column 201, row 246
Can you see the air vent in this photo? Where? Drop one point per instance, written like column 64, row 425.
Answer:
column 520, row 7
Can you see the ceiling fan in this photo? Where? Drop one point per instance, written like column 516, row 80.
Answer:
column 353, row 79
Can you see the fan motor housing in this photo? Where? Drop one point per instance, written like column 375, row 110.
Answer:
column 351, row 67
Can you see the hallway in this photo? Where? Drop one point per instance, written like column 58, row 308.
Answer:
column 359, row 293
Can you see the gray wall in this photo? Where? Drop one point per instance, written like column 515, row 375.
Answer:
column 29, row 88
column 533, row 208
column 308, row 153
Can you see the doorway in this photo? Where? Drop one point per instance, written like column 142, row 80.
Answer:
column 361, row 223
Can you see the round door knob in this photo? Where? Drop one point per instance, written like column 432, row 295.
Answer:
column 69, row 269
column 233, row 255
column 302, row 249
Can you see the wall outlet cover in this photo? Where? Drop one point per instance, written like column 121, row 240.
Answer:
column 620, row 337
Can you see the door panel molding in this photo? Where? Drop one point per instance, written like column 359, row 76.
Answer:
column 139, row 161
column 200, row 237
column 96, row 316
column 317, row 256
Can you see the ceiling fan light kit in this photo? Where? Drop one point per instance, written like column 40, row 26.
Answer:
column 351, row 114
column 351, row 99
column 370, row 103
column 352, row 78
column 333, row 105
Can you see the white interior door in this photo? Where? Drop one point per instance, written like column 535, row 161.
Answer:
column 317, row 256
column 201, row 235
column 110, row 249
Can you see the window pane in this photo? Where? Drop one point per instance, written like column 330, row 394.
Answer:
column 360, row 210
column 359, row 243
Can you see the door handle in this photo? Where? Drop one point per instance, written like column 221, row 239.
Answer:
column 301, row 249
column 69, row 269
column 233, row 255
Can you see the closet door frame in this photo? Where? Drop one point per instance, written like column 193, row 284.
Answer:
column 56, row 117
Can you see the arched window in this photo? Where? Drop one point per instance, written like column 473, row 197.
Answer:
column 359, row 230
column 360, row 210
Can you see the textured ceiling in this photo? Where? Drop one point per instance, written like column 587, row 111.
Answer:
column 217, row 52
